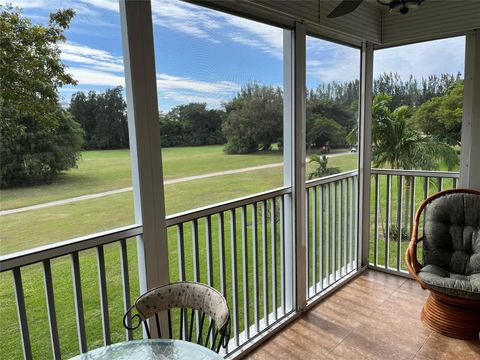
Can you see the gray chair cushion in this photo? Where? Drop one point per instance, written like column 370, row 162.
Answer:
column 451, row 243
column 451, row 284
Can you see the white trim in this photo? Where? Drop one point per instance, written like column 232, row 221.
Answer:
column 288, row 162
column 470, row 152
column 145, row 149
column 365, row 154
column 298, row 185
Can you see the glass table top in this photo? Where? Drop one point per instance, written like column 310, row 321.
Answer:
column 151, row 349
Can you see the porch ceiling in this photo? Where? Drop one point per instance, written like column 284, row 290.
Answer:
column 369, row 22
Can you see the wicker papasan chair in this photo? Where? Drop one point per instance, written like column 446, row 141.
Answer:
column 451, row 262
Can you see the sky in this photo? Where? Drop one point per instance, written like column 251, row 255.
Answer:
column 207, row 56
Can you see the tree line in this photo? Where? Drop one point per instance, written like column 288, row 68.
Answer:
column 39, row 138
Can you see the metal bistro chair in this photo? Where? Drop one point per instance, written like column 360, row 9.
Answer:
column 178, row 299
column 451, row 262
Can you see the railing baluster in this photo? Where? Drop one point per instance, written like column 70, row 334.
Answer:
column 181, row 252
column 355, row 243
column 454, row 183
column 399, row 220
column 102, row 285
column 308, row 239
column 321, row 222
column 314, row 239
column 22, row 313
column 327, row 222
column 196, row 264
column 246, row 302
column 256, row 311
column 339, row 229
column 334, row 232
column 375, row 230
column 233, row 238
column 425, row 187
column 221, row 250
column 51, row 312
column 265, row 262
column 208, row 244
column 387, row 221
column 412, row 202
column 353, row 230
column 273, row 219
column 439, row 184
column 345, row 223
column 282, row 253
column 77, row 291
column 125, row 286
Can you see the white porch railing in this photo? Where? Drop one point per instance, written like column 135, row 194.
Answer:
column 237, row 247
column 396, row 194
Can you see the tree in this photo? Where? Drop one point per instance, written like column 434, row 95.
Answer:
column 442, row 116
column 32, row 153
column 38, row 139
column 396, row 143
column 30, row 67
column 197, row 125
column 103, row 117
column 322, row 167
column 322, row 131
column 254, row 119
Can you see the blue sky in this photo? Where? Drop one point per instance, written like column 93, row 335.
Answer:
column 206, row 56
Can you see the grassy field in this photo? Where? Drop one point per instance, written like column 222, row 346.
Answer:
column 33, row 228
column 39, row 227
column 100, row 171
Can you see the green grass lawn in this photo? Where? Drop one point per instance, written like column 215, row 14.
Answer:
column 34, row 228
column 104, row 170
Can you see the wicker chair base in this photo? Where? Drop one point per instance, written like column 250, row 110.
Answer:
column 461, row 321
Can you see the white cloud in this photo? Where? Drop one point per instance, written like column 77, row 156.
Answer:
column 422, row 59
column 328, row 62
column 165, row 81
column 112, row 5
column 88, row 76
column 93, row 58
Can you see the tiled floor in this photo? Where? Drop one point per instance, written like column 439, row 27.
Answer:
column 375, row 316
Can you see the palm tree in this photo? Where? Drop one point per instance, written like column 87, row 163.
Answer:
column 322, row 167
column 397, row 144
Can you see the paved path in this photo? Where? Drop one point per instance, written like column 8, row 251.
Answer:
column 119, row 191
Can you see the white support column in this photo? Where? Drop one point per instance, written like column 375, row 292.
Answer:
column 470, row 152
column 288, row 162
column 145, row 150
column 365, row 152
column 297, row 165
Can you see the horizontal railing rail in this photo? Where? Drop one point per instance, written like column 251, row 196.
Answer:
column 330, row 178
column 190, row 215
column 396, row 194
column 417, row 173
column 62, row 248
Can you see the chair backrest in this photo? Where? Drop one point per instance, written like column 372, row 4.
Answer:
column 452, row 232
column 200, row 310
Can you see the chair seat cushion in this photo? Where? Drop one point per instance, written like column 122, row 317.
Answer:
column 450, row 283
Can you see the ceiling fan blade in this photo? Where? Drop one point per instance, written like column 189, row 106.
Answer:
column 345, row 7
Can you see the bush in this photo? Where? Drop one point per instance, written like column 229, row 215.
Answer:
column 31, row 153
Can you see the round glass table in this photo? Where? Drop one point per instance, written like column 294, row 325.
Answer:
column 151, row 349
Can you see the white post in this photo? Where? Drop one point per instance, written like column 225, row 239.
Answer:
column 295, row 160
column 470, row 149
column 365, row 153
column 288, row 100
column 145, row 150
